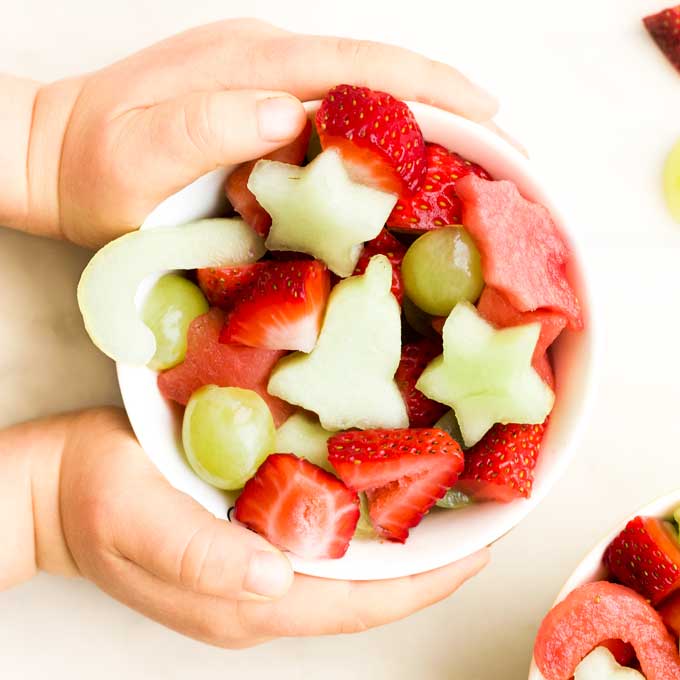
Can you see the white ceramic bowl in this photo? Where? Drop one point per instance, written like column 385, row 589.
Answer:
column 442, row 537
column 591, row 568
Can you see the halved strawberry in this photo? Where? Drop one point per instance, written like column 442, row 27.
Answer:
column 385, row 244
column 645, row 556
column 282, row 309
column 500, row 467
column 664, row 28
column 223, row 286
column 377, row 136
column 436, row 203
column 670, row 613
column 404, row 473
column 244, row 201
column 415, row 356
column 299, row 507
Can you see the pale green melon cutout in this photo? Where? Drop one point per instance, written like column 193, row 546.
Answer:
column 600, row 664
column 348, row 378
column 302, row 435
column 485, row 375
column 671, row 181
column 107, row 288
column 319, row 210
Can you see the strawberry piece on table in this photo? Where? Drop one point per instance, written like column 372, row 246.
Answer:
column 223, row 286
column 645, row 556
column 500, row 467
column 436, row 203
column 282, row 309
column 603, row 611
column 393, row 249
column 664, row 28
column 243, row 200
column 208, row 362
column 377, row 135
column 299, row 507
column 415, row 356
column 403, row 472
column 523, row 254
column 670, row 613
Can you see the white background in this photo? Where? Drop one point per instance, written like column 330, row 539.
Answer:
column 597, row 106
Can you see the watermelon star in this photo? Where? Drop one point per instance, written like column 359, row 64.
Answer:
column 485, row 374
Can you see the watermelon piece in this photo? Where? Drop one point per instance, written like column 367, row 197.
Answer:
column 670, row 613
column 208, row 362
column 601, row 611
column 523, row 254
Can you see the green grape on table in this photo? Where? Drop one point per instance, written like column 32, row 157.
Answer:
column 227, row 434
column 173, row 303
column 441, row 269
column 671, row 181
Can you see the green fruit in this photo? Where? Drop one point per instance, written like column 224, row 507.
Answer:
column 227, row 433
column 441, row 269
column 171, row 306
column 453, row 500
column 671, row 181
column 364, row 525
column 449, row 423
column 302, row 435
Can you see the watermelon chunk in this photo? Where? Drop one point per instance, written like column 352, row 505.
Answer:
column 208, row 362
column 602, row 611
column 523, row 254
column 670, row 613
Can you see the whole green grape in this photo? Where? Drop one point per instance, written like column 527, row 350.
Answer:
column 173, row 303
column 227, row 433
column 441, row 269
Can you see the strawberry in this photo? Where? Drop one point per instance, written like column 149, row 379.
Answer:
column 415, row 356
column 223, row 286
column 670, row 613
column 664, row 28
column 645, row 556
column 436, row 203
column 377, row 136
column 500, row 467
column 282, row 309
column 244, row 201
column 403, row 472
column 385, row 244
column 299, row 507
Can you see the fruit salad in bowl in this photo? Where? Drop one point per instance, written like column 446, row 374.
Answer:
column 618, row 616
column 374, row 347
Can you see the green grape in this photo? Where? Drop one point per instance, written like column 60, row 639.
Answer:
column 449, row 423
column 364, row 525
column 227, row 434
column 671, row 181
column 442, row 268
column 453, row 500
column 171, row 306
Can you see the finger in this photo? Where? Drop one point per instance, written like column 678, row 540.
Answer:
column 490, row 125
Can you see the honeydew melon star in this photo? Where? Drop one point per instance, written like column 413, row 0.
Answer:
column 485, row 374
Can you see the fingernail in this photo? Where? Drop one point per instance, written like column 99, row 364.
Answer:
column 269, row 574
column 278, row 118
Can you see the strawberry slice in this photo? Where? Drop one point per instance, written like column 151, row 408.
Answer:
column 664, row 28
column 377, row 136
column 415, row 356
column 500, row 467
column 299, row 507
column 393, row 249
column 645, row 556
column 670, row 613
column 436, row 203
column 223, row 286
column 243, row 200
column 282, row 309
column 403, row 472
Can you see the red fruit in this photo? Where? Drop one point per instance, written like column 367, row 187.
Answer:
column 210, row 363
column 523, row 254
column 385, row 244
column 603, row 611
column 244, row 201
column 404, row 473
column 282, row 309
column 415, row 356
column 664, row 28
column 646, row 557
column 299, row 507
column 670, row 613
column 223, row 286
column 500, row 467
column 621, row 651
column 436, row 204
column 377, row 136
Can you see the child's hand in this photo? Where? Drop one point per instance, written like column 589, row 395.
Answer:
column 102, row 510
column 141, row 129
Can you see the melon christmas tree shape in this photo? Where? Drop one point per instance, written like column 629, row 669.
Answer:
column 348, row 379
column 485, row 375
column 319, row 210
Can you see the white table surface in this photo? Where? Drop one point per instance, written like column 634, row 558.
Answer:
column 597, row 106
